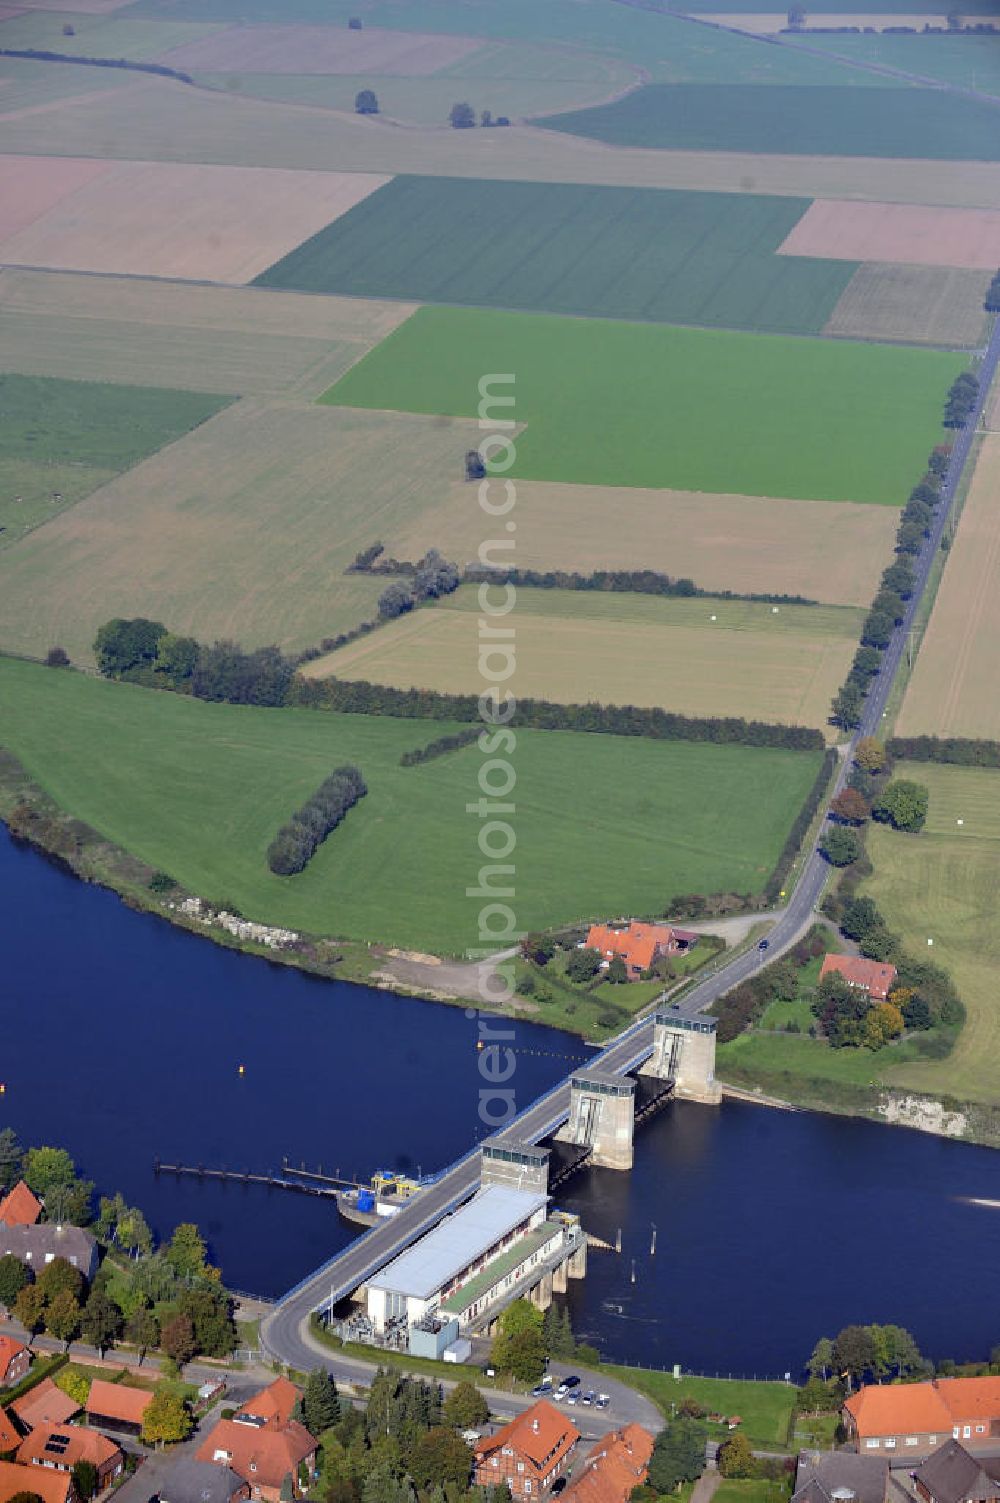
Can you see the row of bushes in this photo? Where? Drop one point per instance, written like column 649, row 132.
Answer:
column 358, row 697
column 956, row 750
column 38, row 55
column 804, row 818
column 297, row 842
column 440, row 747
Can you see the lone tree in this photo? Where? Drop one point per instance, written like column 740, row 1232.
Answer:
column 851, row 807
column 366, row 102
column 462, row 116
column 840, row 846
column 993, row 295
column 903, row 805
column 57, row 657
column 736, row 1458
column 395, row 600
column 869, row 754
column 796, row 17
column 465, row 1407
column 678, row 1455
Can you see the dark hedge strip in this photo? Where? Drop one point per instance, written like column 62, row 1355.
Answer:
column 956, row 750
column 440, row 747
column 296, row 843
column 36, row 54
column 804, row 818
column 358, row 697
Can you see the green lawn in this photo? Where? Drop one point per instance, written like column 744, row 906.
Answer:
column 765, row 1408
column 199, row 790
column 704, row 410
column 826, row 120
column 666, row 256
column 66, row 438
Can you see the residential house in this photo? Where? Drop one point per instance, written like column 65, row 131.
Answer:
column 15, row 1359
column 265, row 1452
column 45, row 1404
column 191, row 1481
column 952, row 1475
column 638, row 945
column 10, row 1436
column 19, row 1207
column 112, row 1406
column 872, row 976
column 38, row 1245
column 49, row 1485
column 616, row 1464
column 913, row 1419
column 274, row 1405
column 61, row 1447
column 825, row 1476
column 528, row 1454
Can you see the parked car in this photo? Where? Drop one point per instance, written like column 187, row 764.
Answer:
column 603, row 1400
column 567, row 1384
column 543, row 1389
column 558, row 1486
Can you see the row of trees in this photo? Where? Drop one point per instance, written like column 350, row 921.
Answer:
column 440, row 748
column 992, row 300
column 430, row 578
column 463, row 117
column 297, row 842
column 142, row 651
column 962, row 398
column 958, row 751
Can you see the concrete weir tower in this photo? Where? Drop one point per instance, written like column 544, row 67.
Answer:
column 684, row 1052
column 602, row 1116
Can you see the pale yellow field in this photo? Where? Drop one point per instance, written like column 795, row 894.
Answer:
column 899, row 233
column 623, row 649
column 210, row 223
column 833, row 552
column 242, row 529
column 937, row 305
column 766, row 23
column 161, row 120
column 955, row 688
column 226, row 339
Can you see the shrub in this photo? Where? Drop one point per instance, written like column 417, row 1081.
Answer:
column 57, row 657
column 297, row 842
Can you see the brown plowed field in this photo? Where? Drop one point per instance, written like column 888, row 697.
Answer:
column 955, row 688
column 905, row 233
column 31, row 188
column 827, row 551
column 224, row 224
column 320, row 49
column 940, row 305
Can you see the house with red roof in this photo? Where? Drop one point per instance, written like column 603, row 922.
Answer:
column 528, row 1453
column 613, row 1467
column 49, row 1485
column 274, row 1405
column 10, row 1435
column 61, row 1446
column 112, row 1406
column 873, row 976
column 45, row 1404
column 15, row 1359
column 638, row 944
column 20, row 1207
column 913, row 1419
column 264, row 1456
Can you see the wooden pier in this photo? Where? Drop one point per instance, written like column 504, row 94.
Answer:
column 303, row 1180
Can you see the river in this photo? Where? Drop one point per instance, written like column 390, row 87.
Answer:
column 122, row 1041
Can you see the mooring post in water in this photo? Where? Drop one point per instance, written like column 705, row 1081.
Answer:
column 652, row 1245
column 618, row 1241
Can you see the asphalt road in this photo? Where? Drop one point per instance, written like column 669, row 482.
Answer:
column 284, row 1331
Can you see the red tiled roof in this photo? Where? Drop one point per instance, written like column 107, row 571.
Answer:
column 9, row 1437
column 541, row 1435
column 20, row 1207
column 83, row 1444
column 616, row 1465
column 637, row 945
column 274, row 1404
column 923, row 1408
column 874, row 975
column 50, row 1486
column 9, row 1349
column 263, row 1457
column 45, row 1405
column 114, row 1401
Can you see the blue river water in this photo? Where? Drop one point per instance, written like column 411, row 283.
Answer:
column 122, row 1040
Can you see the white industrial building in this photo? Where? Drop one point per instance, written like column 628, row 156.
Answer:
column 470, row 1261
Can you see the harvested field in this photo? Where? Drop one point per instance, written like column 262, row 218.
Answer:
column 98, row 36
column 320, row 49
column 614, row 403
column 697, row 657
column 160, row 120
column 955, row 687
column 152, row 219
column 243, row 530
column 30, row 189
column 226, row 339
column 83, row 7
column 914, row 304
column 669, row 257
column 833, row 552
column 898, row 232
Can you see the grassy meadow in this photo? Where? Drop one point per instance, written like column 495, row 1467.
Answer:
column 631, row 404
column 199, row 790
column 765, row 1408
column 669, row 257
column 824, row 120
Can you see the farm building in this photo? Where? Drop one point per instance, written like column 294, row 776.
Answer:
column 913, row 1419
column 528, row 1454
column 112, row 1406
column 872, row 976
column 638, row 945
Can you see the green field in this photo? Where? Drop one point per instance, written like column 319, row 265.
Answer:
column 199, row 790
column 765, row 1408
column 66, row 438
column 632, row 404
column 669, row 256
column 971, row 62
column 824, row 120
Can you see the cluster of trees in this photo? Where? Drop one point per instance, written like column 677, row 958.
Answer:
column 431, row 577
column 992, row 299
column 740, row 1008
column 955, row 750
column 440, row 747
column 525, row 1338
column 463, row 117
column 895, row 588
column 859, row 1353
column 902, row 804
column 359, row 697
column 963, row 395
column 297, row 842
column 145, row 652
column 849, row 1018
